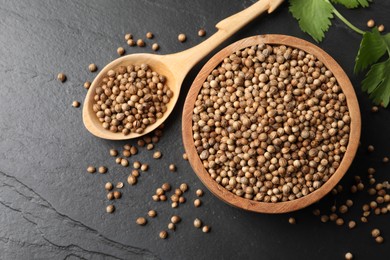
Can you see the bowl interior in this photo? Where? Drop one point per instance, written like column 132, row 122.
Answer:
column 279, row 207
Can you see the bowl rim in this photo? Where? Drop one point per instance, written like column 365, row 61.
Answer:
column 269, row 207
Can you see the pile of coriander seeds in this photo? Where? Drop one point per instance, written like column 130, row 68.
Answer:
column 271, row 123
column 131, row 98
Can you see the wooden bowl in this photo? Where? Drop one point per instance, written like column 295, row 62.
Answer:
column 279, row 207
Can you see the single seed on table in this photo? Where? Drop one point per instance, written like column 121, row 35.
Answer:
column 113, row 152
column 197, row 203
column 374, row 109
column 126, row 153
column 163, row 234
column 155, row 47
column 152, row 213
column 360, row 186
column 324, row 218
column 157, row 155
column 140, row 43
column 163, row 197
column 206, row 229
column 381, row 28
column 166, row 186
column 135, row 173
column 118, row 160
column 128, row 36
column 120, row 51
column 147, row 139
column 201, row 33
column 185, row 156
column 156, row 197
column 291, row 220
column 339, row 221
column 364, row 219
column 370, row 148
column 132, row 180
column 133, row 150
column 171, row 226
column 131, row 42
column 385, row 159
column 182, row 200
column 124, row 162
column 174, row 205
column 91, row 169
column 184, row 187
column 92, row 67
column 371, row 171
column 333, row 217
column 149, row 35
column 141, row 221
column 375, row 232
column 366, row 213
column 348, row 256
column 87, row 84
column 119, row 185
column 144, row 167
column 353, row 189
column 178, row 192
column 61, row 77
column 316, row 212
column 351, row 224
column 175, row 219
column 127, row 147
column 117, row 194
column 102, row 169
column 333, row 208
column 379, row 240
column 182, row 37
column 172, row 167
column 136, row 165
column 110, row 196
column 349, row 203
column 199, row 192
column 373, row 204
column 150, row 146
column 370, row 23
column 197, row 223
column 110, row 208
column 159, row 191
column 108, row 186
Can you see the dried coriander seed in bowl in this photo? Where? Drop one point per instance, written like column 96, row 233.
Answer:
column 271, row 123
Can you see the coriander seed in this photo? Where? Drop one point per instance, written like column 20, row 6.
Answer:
column 92, row 67
column 374, row 109
column 351, row 224
column 118, row 160
column 385, row 159
column 197, row 223
column 108, row 186
column 117, row 194
column 144, row 167
column 150, row 147
column 348, row 256
column 128, row 36
column 206, row 229
column 381, row 28
column 126, row 153
column 110, row 196
column 199, row 192
column 370, row 23
column 133, row 150
column 184, row 187
column 157, row 155
column 124, row 162
column 152, row 213
column 149, row 35
column 135, row 173
column 172, row 167
column 375, row 232
column 185, row 156
column 201, row 33
column 131, row 42
column 110, row 208
column 155, row 46
column 171, row 226
column 163, row 234
column 166, row 187
column 182, row 200
column 182, row 37
column 137, row 165
column 339, row 221
column 156, row 197
column 291, row 220
column 174, row 205
column 370, row 148
column 379, row 240
column 113, row 152
column 91, row 169
column 163, row 197
column 120, row 51
column 87, row 84
column 197, row 203
column 102, row 169
column 61, row 77
column 140, row 43
column 141, row 221
column 132, row 180
column 119, row 185
column 175, row 219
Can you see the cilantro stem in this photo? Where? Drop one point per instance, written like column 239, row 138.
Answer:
column 342, row 18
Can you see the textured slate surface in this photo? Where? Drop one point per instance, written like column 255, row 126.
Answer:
column 50, row 208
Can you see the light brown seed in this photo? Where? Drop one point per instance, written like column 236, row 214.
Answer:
column 381, row 28
column 351, row 224
column 171, row 226
column 108, row 186
column 136, row 165
column 87, row 84
column 324, row 218
column 175, row 219
column 150, row 147
column 370, row 23
column 185, row 156
column 197, row 223
column 163, row 197
column 102, row 169
column 197, row 203
column 343, row 209
column 144, row 167
column 140, row 43
column 156, row 197
column 157, row 155
column 370, row 148
column 141, row 221
column 128, row 36
column 120, row 51
column 375, row 232
column 184, row 187
column 92, row 67
column 91, row 169
column 206, row 229
column 61, row 77
column 133, row 150
column 126, row 153
column 132, row 180
column 163, row 234
column 379, row 240
column 339, row 221
column 199, row 192
column 374, row 109
column 149, row 35
column 119, row 185
column 124, row 162
column 385, row 159
column 131, row 42
column 155, row 46
column 110, row 196
column 166, row 186
column 113, row 152
column 182, row 200
column 174, row 205
column 135, row 173
column 182, row 37
column 348, row 256
column 110, row 208
column 201, row 33
column 152, row 213
column 316, row 212
column 172, row 167
column 117, row 194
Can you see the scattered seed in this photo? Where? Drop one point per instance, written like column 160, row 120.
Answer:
column 374, row 109
column 149, row 35
column 174, row 205
column 131, row 42
column 182, row 37
column 127, row 147
column 141, row 221
column 163, row 197
column 316, row 212
column 197, row 223
column 144, row 167
column 333, row 217
column 197, row 203
column 201, row 33
column 155, row 47
column 117, row 194
column 364, row 219
column 91, row 169
column 61, row 77
column 371, row 171
column 171, row 226
column 375, row 232
column 124, row 162
column 339, row 221
column 381, row 28
column 379, row 240
column 199, row 192
column 128, row 36
column 351, row 224
column 182, row 200
column 159, row 191
column 343, row 209
column 126, row 153
column 140, row 43
column 185, row 156
column 118, row 160
column 206, row 229
column 324, row 218
column 178, row 192
column 370, row 23
column 156, row 197
column 175, row 219
column 133, row 150
column 348, row 256
column 385, row 159
column 108, row 186
column 113, row 152
column 110, row 208
column 291, row 220
column 135, row 173
column 150, row 147
column 120, row 51
column 349, row 203
column 157, row 155
column 370, row 148
column 92, row 67
column 166, row 186
column 132, row 180
column 184, row 187
column 136, row 165
column 155, row 139
column 152, row 213
column 172, row 167
column 110, row 196
column 163, row 234
column 102, row 169
column 87, row 84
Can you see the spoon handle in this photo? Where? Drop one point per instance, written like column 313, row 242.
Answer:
column 185, row 60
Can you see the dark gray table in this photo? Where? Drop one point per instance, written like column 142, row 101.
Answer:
column 50, row 208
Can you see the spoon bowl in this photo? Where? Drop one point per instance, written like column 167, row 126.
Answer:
column 173, row 66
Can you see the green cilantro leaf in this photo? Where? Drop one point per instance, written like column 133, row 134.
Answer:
column 377, row 83
column 372, row 47
column 313, row 16
column 353, row 3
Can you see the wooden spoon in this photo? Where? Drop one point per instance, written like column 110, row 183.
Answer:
column 174, row 67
